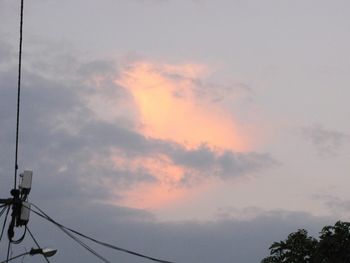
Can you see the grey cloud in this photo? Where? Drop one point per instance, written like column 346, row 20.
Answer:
column 203, row 161
column 6, row 52
column 54, row 123
column 225, row 165
column 223, row 241
column 97, row 67
column 336, row 205
column 213, row 91
column 200, row 158
column 327, row 142
column 65, row 142
column 243, row 163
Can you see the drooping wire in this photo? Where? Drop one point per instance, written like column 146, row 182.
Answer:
column 18, row 91
column 18, row 241
column 80, row 242
column 5, row 220
column 37, row 244
column 45, row 216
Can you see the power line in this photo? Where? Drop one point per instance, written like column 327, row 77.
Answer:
column 18, row 256
column 18, row 90
column 37, row 244
column 5, row 220
column 3, row 209
column 45, row 216
column 8, row 251
column 80, row 242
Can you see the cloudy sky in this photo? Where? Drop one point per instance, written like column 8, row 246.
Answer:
column 190, row 130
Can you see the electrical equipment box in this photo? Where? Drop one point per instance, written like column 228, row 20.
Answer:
column 26, row 182
column 25, row 212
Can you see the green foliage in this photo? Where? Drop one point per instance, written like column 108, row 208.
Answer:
column 333, row 246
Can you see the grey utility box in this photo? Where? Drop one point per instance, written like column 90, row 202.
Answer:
column 26, row 182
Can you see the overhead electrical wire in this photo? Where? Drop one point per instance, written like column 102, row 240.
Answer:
column 36, row 243
column 42, row 214
column 80, row 242
column 18, row 241
column 3, row 209
column 8, row 251
column 18, row 91
column 18, row 256
column 5, row 220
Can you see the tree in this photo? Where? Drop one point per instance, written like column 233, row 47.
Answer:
column 297, row 248
column 333, row 246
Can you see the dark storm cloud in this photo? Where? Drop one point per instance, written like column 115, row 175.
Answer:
column 327, row 142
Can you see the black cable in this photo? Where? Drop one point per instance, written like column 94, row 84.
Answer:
column 37, row 244
column 81, row 243
column 8, row 251
column 5, row 220
column 18, row 241
column 3, row 209
column 44, row 215
column 18, row 91
column 18, row 256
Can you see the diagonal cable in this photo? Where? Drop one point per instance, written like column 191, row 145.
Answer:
column 8, row 251
column 45, row 216
column 80, row 242
column 5, row 220
column 36, row 243
column 3, row 209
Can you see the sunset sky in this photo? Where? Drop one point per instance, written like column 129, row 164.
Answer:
column 185, row 129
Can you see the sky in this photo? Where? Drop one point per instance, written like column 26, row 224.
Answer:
column 190, row 130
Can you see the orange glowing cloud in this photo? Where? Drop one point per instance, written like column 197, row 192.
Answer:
column 156, row 194
column 169, row 108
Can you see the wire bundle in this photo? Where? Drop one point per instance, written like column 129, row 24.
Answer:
column 69, row 231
